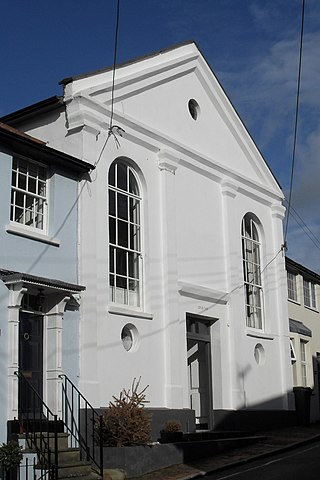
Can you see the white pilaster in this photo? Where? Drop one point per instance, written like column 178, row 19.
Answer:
column 16, row 294
column 168, row 165
column 53, row 357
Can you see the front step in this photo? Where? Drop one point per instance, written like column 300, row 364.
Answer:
column 70, row 464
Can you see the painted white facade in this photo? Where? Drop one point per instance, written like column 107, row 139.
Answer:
column 197, row 179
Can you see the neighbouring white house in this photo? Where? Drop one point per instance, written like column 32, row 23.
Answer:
column 304, row 321
column 39, row 289
column 180, row 242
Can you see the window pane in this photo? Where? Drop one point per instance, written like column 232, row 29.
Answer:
column 112, row 230
column 306, row 293
column 122, row 233
column 18, row 215
column 39, row 221
column 133, row 186
column 112, row 174
column 122, row 206
column 32, row 185
column 14, row 179
column 22, row 182
column 41, row 188
column 254, row 232
column 133, row 264
column 121, row 176
column 134, row 237
column 121, row 282
column 111, row 259
column 313, row 295
column 28, row 217
column 134, row 210
column 121, row 262
column 112, row 203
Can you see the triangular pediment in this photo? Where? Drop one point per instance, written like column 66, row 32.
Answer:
column 152, row 95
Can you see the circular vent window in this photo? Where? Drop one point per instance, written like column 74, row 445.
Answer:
column 194, row 109
column 129, row 337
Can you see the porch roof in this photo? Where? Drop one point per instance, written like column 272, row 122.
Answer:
column 11, row 277
column 299, row 327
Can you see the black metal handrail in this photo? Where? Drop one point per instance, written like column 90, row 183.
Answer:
column 83, row 422
column 38, row 423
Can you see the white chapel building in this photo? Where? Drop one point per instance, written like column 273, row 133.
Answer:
column 179, row 242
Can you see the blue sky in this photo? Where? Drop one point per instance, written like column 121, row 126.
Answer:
column 252, row 46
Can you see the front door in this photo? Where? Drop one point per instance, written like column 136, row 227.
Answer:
column 30, row 362
column 199, row 370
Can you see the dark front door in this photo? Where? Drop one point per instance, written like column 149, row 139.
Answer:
column 30, row 362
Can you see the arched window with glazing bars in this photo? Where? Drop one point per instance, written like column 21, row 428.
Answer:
column 251, row 256
column 125, row 282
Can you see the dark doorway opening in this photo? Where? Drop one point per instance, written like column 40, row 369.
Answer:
column 199, row 369
column 31, row 362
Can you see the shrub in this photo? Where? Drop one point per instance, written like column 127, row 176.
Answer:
column 10, row 454
column 126, row 421
column 172, row 426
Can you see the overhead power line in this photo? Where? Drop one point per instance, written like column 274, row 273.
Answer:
column 304, row 227
column 296, row 121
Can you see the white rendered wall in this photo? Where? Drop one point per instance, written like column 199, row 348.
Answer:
column 198, row 179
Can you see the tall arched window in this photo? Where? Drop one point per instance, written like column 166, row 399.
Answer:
column 124, row 235
column 252, row 273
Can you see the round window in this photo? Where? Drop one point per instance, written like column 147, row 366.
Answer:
column 129, row 337
column 194, row 109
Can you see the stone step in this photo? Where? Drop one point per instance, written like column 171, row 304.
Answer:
column 69, row 455
column 65, row 456
column 76, row 469
column 45, row 438
column 92, row 476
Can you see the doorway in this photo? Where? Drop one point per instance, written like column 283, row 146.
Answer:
column 199, row 369
column 31, row 362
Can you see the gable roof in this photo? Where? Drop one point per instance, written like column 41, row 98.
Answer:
column 67, row 80
column 79, row 83
column 35, row 109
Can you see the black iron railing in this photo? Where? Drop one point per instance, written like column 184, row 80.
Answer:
column 40, row 426
column 83, row 423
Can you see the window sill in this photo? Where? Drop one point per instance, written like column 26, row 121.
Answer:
column 259, row 334
column 129, row 313
column 31, row 234
column 311, row 308
column 294, row 301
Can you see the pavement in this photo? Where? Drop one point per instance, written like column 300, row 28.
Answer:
column 268, row 443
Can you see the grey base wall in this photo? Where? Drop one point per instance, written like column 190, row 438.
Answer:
column 136, row 461
column 159, row 416
column 253, row 420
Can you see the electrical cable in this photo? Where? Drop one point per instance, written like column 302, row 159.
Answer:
column 114, row 63
column 304, row 226
column 296, row 122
